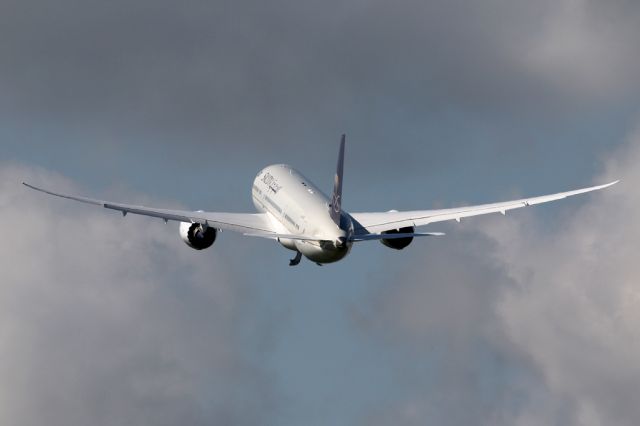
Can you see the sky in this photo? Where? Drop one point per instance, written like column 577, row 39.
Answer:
column 521, row 320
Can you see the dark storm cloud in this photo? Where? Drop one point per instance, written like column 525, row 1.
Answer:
column 256, row 72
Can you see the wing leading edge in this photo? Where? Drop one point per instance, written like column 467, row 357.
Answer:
column 248, row 223
column 383, row 221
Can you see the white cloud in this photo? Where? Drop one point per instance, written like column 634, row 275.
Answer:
column 574, row 306
column 108, row 321
column 516, row 321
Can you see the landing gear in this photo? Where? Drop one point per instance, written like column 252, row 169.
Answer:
column 295, row 260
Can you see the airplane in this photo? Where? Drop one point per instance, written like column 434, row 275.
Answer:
column 297, row 214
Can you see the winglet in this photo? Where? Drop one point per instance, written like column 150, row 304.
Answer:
column 336, row 199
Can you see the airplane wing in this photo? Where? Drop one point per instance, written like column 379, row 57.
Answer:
column 373, row 223
column 248, row 223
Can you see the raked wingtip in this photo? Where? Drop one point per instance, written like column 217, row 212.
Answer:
column 28, row 185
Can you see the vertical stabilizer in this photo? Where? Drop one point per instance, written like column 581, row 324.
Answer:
column 336, row 199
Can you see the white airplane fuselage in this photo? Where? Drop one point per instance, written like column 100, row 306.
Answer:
column 297, row 207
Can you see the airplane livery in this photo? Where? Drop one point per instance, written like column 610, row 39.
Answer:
column 297, row 214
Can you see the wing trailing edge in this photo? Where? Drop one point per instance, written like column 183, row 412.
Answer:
column 375, row 222
column 238, row 222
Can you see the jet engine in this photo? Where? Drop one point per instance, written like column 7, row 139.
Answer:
column 197, row 236
column 398, row 243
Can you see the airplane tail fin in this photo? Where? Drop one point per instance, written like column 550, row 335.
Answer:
column 336, row 199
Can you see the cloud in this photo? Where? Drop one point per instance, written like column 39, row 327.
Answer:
column 193, row 86
column 206, row 72
column 164, row 94
column 574, row 307
column 519, row 321
column 585, row 49
column 108, row 321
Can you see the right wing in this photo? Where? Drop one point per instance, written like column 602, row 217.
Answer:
column 373, row 223
column 254, row 224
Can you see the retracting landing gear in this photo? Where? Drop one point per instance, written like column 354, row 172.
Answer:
column 295, row 260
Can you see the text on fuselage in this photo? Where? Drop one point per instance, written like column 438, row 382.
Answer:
column 271, row 182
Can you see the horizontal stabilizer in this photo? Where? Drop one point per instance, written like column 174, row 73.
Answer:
column 369, row 237
column 275, row 236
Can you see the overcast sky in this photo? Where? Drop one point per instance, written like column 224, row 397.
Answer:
column 526, row 319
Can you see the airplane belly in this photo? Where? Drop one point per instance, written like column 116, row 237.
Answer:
column 316, row 253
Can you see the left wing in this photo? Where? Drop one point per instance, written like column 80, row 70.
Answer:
column 373, row 223
column 255, row 224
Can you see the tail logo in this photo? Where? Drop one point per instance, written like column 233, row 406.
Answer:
column 335, row 203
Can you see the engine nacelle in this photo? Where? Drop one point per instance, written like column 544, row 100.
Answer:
column 197, row 236
column 399, row 243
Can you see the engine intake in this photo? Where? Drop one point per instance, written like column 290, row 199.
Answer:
column 197, row 236
column 399, row 243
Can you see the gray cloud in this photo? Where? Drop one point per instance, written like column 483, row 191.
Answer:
column 519, row 321
column 108, row 321
column 261, row 73
column 187, row 89
column 170, row 96
column 586, row 49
